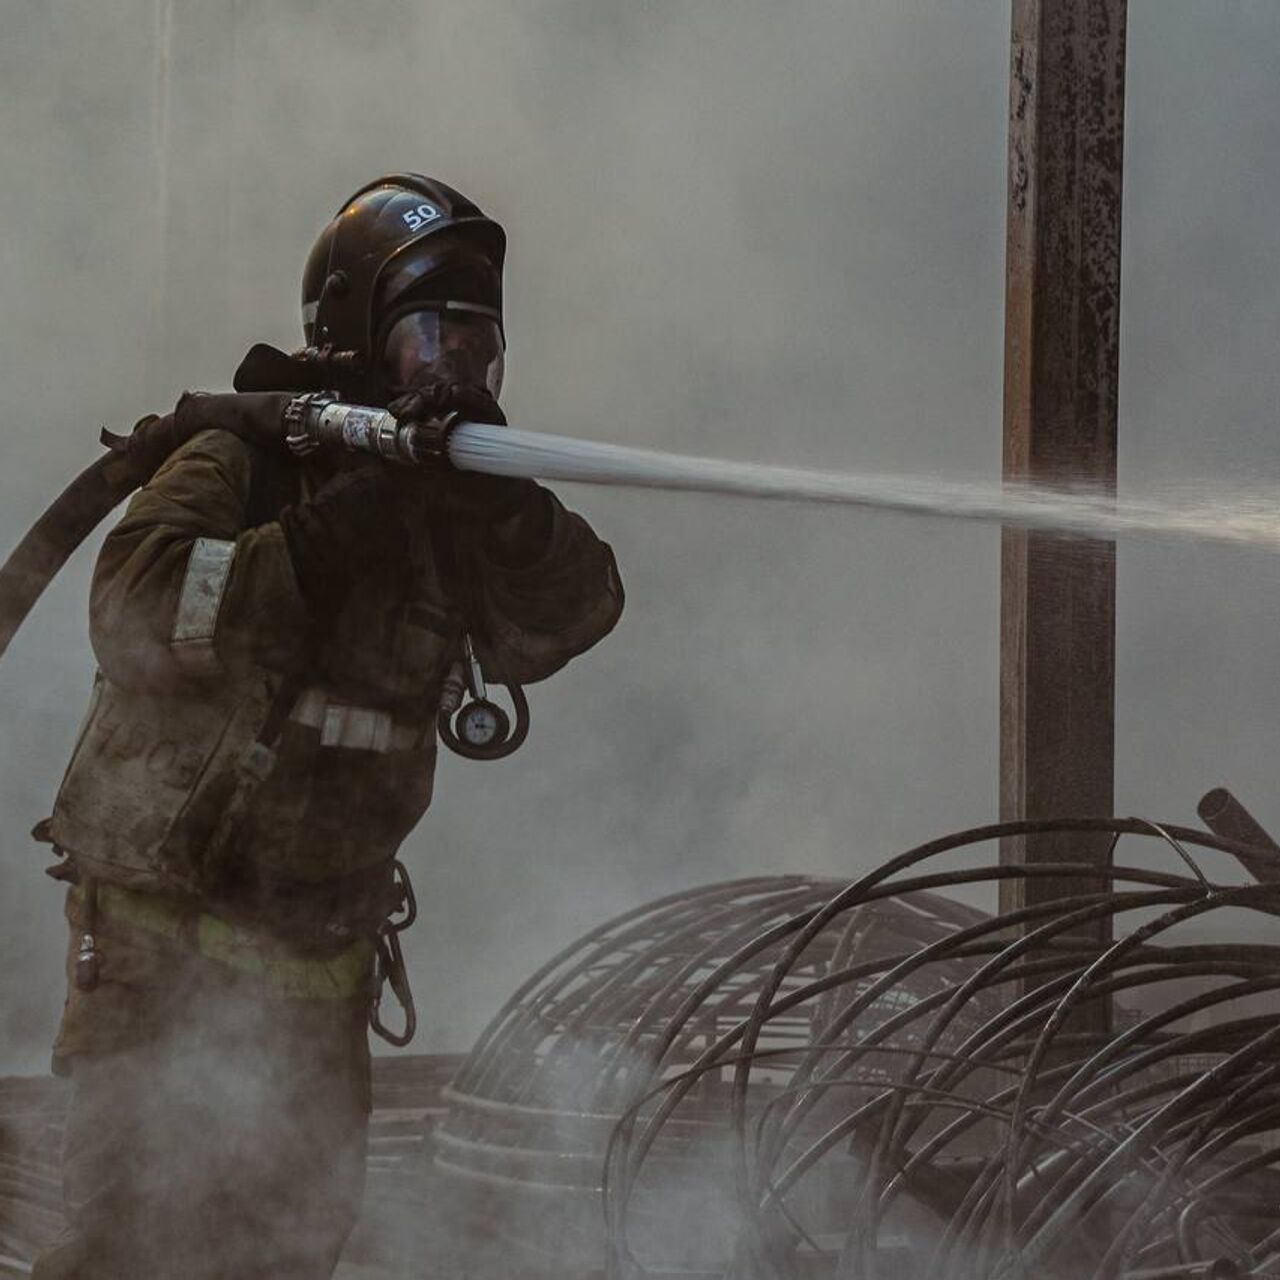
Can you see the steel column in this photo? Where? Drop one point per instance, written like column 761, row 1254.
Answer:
column 1062, row 340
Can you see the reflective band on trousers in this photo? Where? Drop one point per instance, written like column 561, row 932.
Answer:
column 344, row 976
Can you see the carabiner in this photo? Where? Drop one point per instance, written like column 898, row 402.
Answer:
column 390, row 968
column 403, row 896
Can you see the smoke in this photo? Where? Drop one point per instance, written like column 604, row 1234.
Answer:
column 225, row 1139
column 733, row 234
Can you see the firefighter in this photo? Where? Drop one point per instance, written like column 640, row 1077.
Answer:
column 272, row 637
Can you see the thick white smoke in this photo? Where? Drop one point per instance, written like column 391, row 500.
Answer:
column 731, row 235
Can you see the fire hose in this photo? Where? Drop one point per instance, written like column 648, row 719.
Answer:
column 319, row 421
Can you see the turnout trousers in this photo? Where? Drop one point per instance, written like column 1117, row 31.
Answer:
column 227, row 1143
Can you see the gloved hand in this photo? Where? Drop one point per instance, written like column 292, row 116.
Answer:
column 467, row 496
column 438, row 396
column 358, row 519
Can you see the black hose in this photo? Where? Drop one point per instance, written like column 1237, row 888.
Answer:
column 104, row 484
column 50, row 542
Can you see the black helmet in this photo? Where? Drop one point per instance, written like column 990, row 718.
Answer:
column 402, row 243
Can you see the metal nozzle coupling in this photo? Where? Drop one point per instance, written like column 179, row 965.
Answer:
column 319, row 420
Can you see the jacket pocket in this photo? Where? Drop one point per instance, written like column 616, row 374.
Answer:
column 138, row 774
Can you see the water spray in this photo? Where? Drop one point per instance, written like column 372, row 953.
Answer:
column 319, row 421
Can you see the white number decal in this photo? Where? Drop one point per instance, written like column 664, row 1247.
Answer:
column 420, row 216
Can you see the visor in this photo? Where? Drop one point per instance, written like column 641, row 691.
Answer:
column 457, row 342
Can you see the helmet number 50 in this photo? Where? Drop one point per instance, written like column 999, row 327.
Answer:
column 420, row 216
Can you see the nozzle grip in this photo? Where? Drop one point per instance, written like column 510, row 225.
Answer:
column 318, row 420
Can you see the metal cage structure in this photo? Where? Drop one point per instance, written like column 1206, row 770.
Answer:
column 637, row 1002
column 789, row 1077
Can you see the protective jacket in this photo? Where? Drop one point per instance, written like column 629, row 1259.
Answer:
column 244, row 752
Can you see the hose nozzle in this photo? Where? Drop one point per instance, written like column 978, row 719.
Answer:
column 319, row 420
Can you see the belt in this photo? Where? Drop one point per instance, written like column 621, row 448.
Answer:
column 346, row 975
column 358, row 728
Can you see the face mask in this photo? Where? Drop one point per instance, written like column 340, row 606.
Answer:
column 459, row 346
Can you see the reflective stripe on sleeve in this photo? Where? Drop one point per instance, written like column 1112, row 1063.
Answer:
column 196, row 621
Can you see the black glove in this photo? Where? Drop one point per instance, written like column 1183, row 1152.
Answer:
column 437, row 397
column 467, row 496
column 357, row 520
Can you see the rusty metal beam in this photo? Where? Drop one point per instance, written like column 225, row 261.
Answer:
column 1062, row 342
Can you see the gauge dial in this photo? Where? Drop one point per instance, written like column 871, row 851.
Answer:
column 481, row 724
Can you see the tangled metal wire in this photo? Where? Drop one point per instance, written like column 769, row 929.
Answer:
column 994, row 1125
column 639, row 998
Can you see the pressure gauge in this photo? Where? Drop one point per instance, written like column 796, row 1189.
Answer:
column 481, row 724
column 478, row 729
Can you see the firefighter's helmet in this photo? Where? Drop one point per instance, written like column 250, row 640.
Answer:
column 403, row 244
